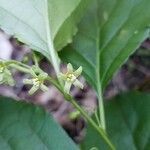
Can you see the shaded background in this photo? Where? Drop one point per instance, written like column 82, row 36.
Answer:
column 133, row 75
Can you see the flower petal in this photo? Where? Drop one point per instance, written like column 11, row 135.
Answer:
column 28, row 81
column 78, row 72
column 78, row 84
column 33, row 90
column 67, row 87
column 44, row 88
column 69, row 68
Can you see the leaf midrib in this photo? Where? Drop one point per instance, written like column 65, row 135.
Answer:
column 118, row 29
column 116, row 58
column 110, row 40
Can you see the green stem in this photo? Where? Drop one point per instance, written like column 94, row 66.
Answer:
column 17, row 63
column 82, row 111
column 99, row 88
column 88, row 118
column 101, row 106
column 20, row 68
column 35, row 59
column 55, row 83
column 97, row 118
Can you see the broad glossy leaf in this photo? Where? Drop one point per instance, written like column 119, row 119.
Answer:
column 128, row 123
column 36, row 22
column 27, row 127
column 108, row 34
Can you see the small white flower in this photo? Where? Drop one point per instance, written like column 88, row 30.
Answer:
column 70, row 77
column 37, row 82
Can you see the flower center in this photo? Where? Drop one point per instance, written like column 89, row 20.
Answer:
column 71, row 77
column 36, row 82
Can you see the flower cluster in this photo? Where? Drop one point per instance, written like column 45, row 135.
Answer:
column 39, row 77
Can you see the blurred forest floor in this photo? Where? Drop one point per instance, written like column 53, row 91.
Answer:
column 133, row 75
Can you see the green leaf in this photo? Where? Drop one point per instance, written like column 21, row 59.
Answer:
column 69, row 27
column 128, row 123
column 108, row 34
column 27, row 127
column 36, row 23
